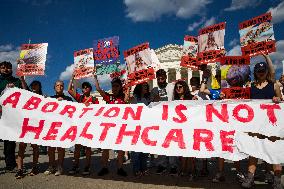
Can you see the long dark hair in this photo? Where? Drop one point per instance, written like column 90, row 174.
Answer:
column 35, row 82
column 187, row 95
column 138, row 89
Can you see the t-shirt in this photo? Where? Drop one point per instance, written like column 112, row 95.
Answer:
column 64, row 97
column 214, row 94
column 83, row 99
column 166, row 94
column 199, row 95
column 143, row 100
column 6, row 80
column 266, row 92
column 110, row 99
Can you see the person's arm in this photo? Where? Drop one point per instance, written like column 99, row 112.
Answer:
column 102, row 92
column 203, row 87
column 127, row 97
column 24, row 83
column 270, row 66
column 277, row 98
column 71, row 89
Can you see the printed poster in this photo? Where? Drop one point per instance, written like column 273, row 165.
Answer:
column 139, row 64
column 189, row 55
column 211, row 43
column 235, row 77
column 84, row 63
column 32, row 59
column 257, row 35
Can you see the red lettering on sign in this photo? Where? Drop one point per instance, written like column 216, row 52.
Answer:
column 145, row 138
column 122, row 132
column 13, row 99
column 27, row 128
column 175, row 135
column 206, row 139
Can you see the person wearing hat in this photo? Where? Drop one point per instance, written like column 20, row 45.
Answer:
column 164, row 92
column 118, row 96
column 263, row 87
column 87, row 99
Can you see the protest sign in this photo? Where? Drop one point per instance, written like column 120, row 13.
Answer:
column 201, row 129
column 32, row 59
column 257, row 35
column 139, row 64
column 190, row 50
column 84, row 63
column 108, row 65
column 211, row 43
column 235, row 76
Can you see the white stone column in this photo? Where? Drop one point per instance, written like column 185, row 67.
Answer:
column 155, row 84
column 178, row 74
column 167, row 71
column 200, row 75
column 189, row 75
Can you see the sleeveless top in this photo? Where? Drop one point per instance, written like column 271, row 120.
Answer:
column 266, row 92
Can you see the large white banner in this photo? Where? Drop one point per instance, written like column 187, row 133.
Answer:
column 200, row 129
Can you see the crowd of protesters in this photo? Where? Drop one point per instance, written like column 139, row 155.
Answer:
column 264, row 86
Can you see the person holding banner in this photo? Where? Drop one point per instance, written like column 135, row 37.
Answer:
column 6, row 81
column 59, row 95
column 117, row 97
column 263, row 87
column 35, row 87
column 182, row 92
column 141, row 94
column 214, row 94
column 164, row 92
column 195, row 91
column 87, row 99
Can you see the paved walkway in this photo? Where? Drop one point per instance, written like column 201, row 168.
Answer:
column 7, row 180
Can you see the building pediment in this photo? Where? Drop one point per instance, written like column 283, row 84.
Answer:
column 169, row 53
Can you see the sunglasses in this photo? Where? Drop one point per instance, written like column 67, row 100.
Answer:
column 179, row 86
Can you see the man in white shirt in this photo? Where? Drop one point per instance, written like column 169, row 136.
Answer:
column 164, row 92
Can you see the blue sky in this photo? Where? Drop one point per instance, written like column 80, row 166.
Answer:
column 69, row 25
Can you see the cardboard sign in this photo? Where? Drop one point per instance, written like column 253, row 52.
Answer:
column 139, row 64
column 106, row 51
column 201, row 129
column 257, row 35
column 235, row 75
column 211, row 43
column 32, row 59
column 84, row 63
column 108, row 65
column 190, row 50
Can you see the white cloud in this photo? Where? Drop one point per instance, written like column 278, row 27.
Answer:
column 278, row 56
column 7, row 47
column 202, row 23
column 242, row 4
column 195, row 25
column 277, row 13
column 210, row 22
column 151, row 10
column 234, row 42
column 9, row 53
column 235, row 51
column 67, row 74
